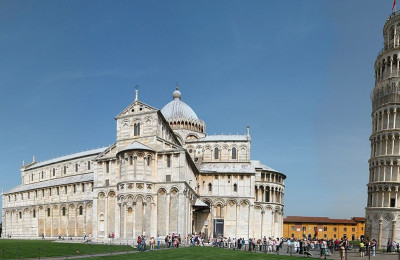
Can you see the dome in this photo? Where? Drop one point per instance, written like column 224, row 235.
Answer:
column 178, row 109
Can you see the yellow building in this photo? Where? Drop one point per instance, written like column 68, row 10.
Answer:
column 323, row 227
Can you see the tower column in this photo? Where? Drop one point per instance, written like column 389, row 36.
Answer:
column 398, row 64
column 391, row 65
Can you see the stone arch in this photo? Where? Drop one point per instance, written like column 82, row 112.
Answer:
column 174, row 190
column 207, row 201
column 139, row 197
column 162, row 190
column 219, row 201
column 111, row 193
column 149, row 199
column 231, row 202
column 101, row 195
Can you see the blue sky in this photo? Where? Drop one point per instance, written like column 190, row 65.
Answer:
column 299, row 73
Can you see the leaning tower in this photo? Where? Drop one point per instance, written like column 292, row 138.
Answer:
column 383, row 207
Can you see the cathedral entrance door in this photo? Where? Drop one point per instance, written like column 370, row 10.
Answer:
column 218, row 227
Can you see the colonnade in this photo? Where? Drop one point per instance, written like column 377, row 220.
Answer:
column 385, row 118
column 388, row 67
column 385, row 170
column 268, row 194
column 382, row 195
column 66, row 220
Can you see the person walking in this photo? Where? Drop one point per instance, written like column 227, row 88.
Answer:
column 362, row 249
column 139, row 243
column 152, row 242
column 158, row 241
column 389, row 246
column 342, row 248
column 373, row 247
column 288, row 245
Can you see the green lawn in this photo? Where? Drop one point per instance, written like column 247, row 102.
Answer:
column 18, row 249
column 200, row 253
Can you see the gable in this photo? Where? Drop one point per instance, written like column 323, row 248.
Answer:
column 136, row 108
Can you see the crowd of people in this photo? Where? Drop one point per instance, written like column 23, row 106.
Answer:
column 325, row 247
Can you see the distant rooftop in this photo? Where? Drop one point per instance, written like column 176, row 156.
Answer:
column 322, row 220
column 67, row 157
column 233, row 167
column 214, row 138
column 137, row 146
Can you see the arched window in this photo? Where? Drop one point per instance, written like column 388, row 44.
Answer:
column 234, row 153
column 34, row 213
column 209, row 187
column 219, row 211
column 76, row 167
column 107, row 167
column 168, row 160
column 131, row 160
column 65, row 169
column 267, row 194
column 136, row 129
column 63, row 211
column 80, row 210
column 88, row 165
column 20, row 214
column 48, row 212
column 216, row 153
column 235, row 187
column 148, row 160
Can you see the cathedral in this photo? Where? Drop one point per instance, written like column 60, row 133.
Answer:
column 163, row 175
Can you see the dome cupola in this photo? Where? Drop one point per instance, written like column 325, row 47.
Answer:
column 180, row 115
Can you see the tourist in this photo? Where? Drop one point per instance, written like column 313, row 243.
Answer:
column 342, row 246
column 139, row 243
column 322, row 244
column 362, row 249
column 143, row 243
column 389, row 246
column 158, row 242
column 288, row 246
column 152, row 242
column 373, row 247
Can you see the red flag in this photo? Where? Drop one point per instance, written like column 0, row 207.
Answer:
column 394, row 4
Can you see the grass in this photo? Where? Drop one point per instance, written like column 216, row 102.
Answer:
column 18, row 249
column 199, row 253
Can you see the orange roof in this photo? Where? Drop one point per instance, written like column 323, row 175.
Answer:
column 359, row 219
column 321, row 220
